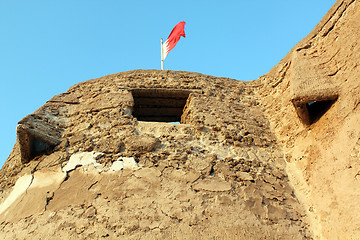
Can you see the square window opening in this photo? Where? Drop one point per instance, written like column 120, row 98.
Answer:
column 159, row 105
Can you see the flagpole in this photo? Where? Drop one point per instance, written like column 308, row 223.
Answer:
column 162, row 55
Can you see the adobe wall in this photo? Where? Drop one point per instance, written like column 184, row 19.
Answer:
column 219, row 173
column 323, row 156
column 248, row 159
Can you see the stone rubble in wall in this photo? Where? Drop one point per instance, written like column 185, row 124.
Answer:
column 187, row 173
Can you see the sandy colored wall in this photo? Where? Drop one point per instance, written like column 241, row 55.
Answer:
column 322, row 158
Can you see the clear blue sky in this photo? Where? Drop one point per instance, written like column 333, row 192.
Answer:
column 48, row 46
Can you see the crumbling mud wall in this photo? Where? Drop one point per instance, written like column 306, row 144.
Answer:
column 217, row 173
column 277, row 157
column 311, row 99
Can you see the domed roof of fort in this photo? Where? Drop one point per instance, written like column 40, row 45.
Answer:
column 173, row 154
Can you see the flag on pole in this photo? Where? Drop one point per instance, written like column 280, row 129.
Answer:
column 174, row 37
column 171, row 41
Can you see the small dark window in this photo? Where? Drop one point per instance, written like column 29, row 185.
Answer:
column 38, row 147
column 311, row 111
column 159, row 105
column 317, row 109
column 36, row 137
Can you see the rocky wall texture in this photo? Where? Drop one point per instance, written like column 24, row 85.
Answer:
column 220, row 173
column 322, row 158
column 274, row 158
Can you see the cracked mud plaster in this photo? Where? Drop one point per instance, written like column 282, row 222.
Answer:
column 220, row 175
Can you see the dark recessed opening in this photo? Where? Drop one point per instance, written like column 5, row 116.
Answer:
column 39, row 147
column 317, row 109
column 312, row 109
column 37, row 136
column 159, row 105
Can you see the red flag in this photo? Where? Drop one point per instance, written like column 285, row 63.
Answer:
column 174, row 37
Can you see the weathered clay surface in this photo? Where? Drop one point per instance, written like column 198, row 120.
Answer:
column 245, row 162
column 322, row 159
column 157, row 180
